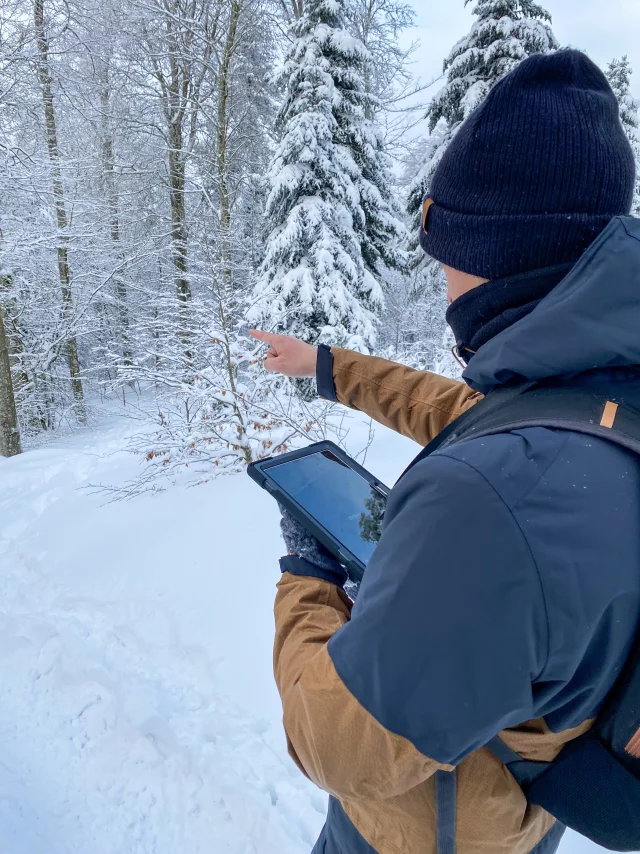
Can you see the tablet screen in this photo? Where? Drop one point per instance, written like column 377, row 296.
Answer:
column 337, row 497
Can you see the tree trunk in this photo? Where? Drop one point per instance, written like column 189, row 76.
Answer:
column 368, row 13
column 177, row 88
column 9, row 430
column 179, row 231
column 293, row 9
column 223, row 142
column 180, row 59
column 15, row 344
column 179, row 234
column 114, row 216
column 46, row 83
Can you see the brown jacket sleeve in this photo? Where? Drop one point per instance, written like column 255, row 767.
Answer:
column 326, row 726
column 417, row 404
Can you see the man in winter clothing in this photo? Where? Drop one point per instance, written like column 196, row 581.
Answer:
column 504, row 595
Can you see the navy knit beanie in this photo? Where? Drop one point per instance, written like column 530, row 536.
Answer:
column 534, row 174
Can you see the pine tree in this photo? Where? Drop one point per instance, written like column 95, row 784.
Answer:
column 330, row 228
column 383, row 231
column 505, row 33
column 377, row 26
column 619, row 73
column 429, row 285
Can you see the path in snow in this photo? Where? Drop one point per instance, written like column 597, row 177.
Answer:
column 137, row 707
column 122, row 719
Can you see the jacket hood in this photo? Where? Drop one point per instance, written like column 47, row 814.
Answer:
column 590, row 320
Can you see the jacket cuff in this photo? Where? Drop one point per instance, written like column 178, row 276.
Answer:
column 295, row 565
column 324, row 374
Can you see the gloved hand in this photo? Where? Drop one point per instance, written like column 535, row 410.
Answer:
column 306, row 555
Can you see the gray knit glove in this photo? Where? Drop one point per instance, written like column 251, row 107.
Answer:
column 306, row 555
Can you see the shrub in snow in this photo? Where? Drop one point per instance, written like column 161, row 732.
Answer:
column 214, row 409
column 331, row 226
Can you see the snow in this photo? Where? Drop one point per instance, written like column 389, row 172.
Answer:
column 137, row 707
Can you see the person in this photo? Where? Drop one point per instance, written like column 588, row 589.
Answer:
column 504, row 594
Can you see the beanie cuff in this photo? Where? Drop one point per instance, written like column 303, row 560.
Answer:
column 496, row 246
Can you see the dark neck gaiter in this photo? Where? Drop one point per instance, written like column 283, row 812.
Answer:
column 482, row 313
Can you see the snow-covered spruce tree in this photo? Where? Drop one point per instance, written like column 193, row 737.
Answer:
column 329, row 225
column 505, row 33
column 619, row 73
column 383, row 232
column 377, row 27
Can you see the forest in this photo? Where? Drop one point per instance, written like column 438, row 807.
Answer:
column 174, row 172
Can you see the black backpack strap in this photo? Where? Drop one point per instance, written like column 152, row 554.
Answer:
column 525, row 771
column 579, row 410
column 468, row 419
column 559, row 407
column 600, row 412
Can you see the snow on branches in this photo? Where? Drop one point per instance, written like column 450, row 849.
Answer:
column 331, row 224
column 216, row 418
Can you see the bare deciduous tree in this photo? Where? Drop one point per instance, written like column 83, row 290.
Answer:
column 46, row 83
column 179, row 38
column 9, row 430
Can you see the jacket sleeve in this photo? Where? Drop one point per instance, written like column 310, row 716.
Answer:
column 417, row 404
column 330, row 736
column 439, row 654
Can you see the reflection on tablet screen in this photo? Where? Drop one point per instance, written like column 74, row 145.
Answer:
column 336, row 496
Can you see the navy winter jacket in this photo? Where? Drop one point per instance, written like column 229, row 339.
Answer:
column 504, row 593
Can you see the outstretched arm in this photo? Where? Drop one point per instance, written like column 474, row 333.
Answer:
column 417, row 404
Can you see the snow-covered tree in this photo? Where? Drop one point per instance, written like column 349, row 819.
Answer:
column 383, row 232
column 505, row 33
column 328, row 224
column 378, row 24
column 619, row 73
column 47, row 84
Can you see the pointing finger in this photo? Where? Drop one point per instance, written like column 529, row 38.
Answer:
column 267, row 337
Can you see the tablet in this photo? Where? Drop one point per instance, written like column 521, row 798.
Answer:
column 332, row 496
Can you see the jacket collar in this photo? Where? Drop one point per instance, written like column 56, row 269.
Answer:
column 590, row 320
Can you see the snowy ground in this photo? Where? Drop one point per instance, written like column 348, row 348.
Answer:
column 137, row 709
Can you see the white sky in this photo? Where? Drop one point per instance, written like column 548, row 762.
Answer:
column 603, row 28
